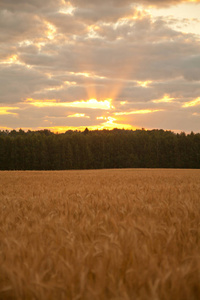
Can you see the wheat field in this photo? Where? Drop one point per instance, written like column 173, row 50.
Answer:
column 100, row 234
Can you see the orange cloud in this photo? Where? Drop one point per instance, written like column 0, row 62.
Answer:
column 140, row 111
column 109, row 123
column 78, row 116
column 67, row 10
column 91, row 103
column 51, row 30
column 13, row 59
column 165, row 99
column 6, row 110
column 192, row 103
column 144, row 83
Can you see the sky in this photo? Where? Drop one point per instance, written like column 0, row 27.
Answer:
column 100, row 64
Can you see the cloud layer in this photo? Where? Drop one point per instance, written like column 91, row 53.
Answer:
column 118, row 51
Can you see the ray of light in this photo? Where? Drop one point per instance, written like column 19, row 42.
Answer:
column 89, row 84
column 114, row 88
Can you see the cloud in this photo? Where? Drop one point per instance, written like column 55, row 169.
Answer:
column 194, row 102
column 78, row 116
column 20, row 26
column 104, row 13
column 89, row 104
column 164, row 119
column 137, row 112
column 165, row 3
column 97, row 3
column 30, row 6
column 191, row 68
column 19, row 82
column 67, row 24
column 104, row 50
column 8, row 110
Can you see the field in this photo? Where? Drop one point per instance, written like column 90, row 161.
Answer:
column 101, row 234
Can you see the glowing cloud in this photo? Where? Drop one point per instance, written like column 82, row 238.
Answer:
column 11, row 60
column 123, row 102
column 51, row 30
column 144, row 83
column 67, row 10
column 110, row 123
column 5, row 110
column 81, row 74
column 192, row 103
column 14, row 60
column 78, row 116
column 165, row 99
column 86, row 56
column 92, row 103
column 140, row 111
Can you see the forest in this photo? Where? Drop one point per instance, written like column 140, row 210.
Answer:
column 98, row 149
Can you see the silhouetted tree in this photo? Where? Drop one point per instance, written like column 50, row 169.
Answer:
column 44, row 150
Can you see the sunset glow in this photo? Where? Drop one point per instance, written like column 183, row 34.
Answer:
column 135, row 112
column 144, row 83
column 165, row 99
column 51, row 30
column 78, row 116
column 8, row 110
column 10, row 60
column 92, row 103
column 96, row 64
column 192, row 103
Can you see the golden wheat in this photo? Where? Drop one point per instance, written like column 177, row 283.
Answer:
column 97, row 235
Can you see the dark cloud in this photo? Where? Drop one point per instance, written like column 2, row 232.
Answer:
column 172, row 120
column 7, row 50
column 19, row 83
column 67, row 24
column 181, row 90
column 97, row 3
column 191, row 68
column 30, row 5
column 104, row 13
column 20, row 26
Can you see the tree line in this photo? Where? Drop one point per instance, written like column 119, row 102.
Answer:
column 45, row 150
